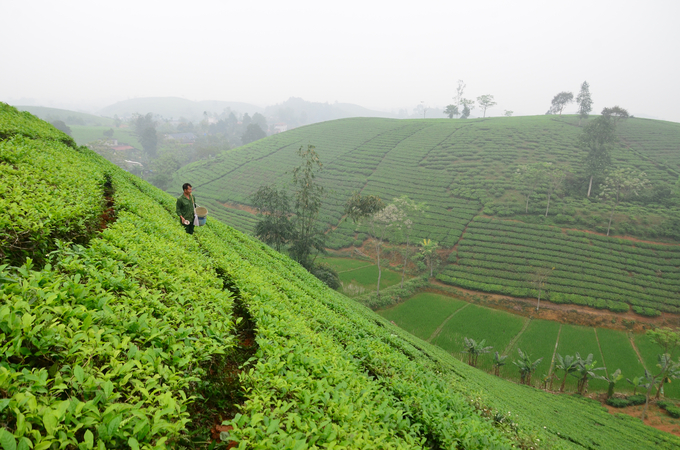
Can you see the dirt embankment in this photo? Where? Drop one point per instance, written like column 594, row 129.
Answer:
column 563, row 313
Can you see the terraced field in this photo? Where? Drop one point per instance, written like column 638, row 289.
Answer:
column 587, row 269
column 463, row 170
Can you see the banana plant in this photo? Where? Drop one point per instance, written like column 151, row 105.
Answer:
column 498, row 362
column 474, row 349
column 612, row 380
column 636, row 382
column 585, row 369
column 526, row 366
column 568, row 365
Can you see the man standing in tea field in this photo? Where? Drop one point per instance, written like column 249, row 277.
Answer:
column 185, row 208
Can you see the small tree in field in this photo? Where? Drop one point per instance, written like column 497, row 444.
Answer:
column 585, row 370
column 372, row 210
column 636, row 382
column 566, row 364
column 273, row 205
column 596, row 140
column 468, row 106
column 668, row 369
column 611, row 381
column 554, row 176
column 560, row 101
column 429, row 254
column 665, row 337
column 526, row 366
column 403, row 228
column 452, row 111
column 308, row 194
column 584, row 101
column 527, row 179
column 498, row 362
column 474, row 349
column 615, row 114
column 485, row 102
column 539, row 280
column 620, row 183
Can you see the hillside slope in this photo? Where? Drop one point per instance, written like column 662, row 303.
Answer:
column 136, row 335
column 463, row 169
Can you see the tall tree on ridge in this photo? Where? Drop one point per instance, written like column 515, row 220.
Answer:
column 451, row 110
column 615, row 114
column 485, row 101
column 468, row 106
column 308, row 195
column 596, row 139
column 584, row 102
column 560, row 101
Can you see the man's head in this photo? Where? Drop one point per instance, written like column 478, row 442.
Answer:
column 186, row 187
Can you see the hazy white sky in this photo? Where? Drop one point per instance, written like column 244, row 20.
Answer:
column 378, row 54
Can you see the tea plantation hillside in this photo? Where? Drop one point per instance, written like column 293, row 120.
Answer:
column 119, row 330
column 463, row 170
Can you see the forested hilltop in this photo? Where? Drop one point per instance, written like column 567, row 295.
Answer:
column 511, row 196
column 119, row 330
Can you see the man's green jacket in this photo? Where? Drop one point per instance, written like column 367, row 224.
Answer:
column 185, row 207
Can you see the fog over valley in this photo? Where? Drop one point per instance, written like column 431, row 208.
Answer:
column 388, row 58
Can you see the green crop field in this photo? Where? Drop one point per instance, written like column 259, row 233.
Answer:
column 619, row 354
column 463, row 172
column 86, row 134
column 423, row 313
column 476, row 322
column 649, row 352
column 119, row 330
column 346, row 264
column 367, row 277
column 538, row 340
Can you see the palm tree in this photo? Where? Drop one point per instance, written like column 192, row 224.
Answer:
column 568, row 364
column 526, row 366
column 474, row 349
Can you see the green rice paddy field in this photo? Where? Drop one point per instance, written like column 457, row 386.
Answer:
column 445, row 321
column 362, row 273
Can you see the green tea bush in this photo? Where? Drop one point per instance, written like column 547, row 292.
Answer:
column 617, row 402
column 635, row 400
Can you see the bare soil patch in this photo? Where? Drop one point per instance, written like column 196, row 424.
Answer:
column 238, row 206
column 656, row 417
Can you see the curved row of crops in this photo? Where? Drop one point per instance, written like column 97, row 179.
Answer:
column 502, row 257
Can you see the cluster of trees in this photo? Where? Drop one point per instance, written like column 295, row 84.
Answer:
column 463, row 107
column 392, row 222
column 291, row 221
column 596, row 140
column 162, row 155
column 585, row 369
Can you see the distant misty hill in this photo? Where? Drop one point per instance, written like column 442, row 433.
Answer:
column 175, row 107
column 293, row 112
column 296, row 112
column 68, row 117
